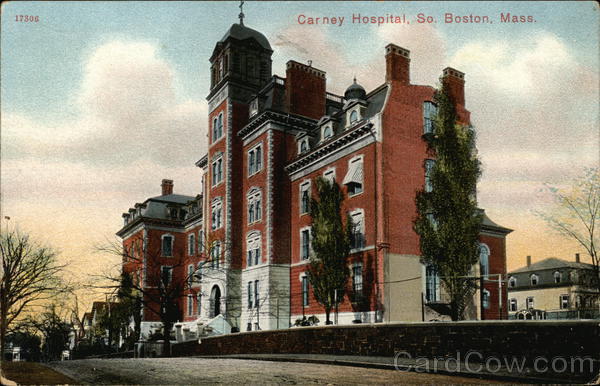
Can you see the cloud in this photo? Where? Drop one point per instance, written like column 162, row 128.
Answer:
column 128, row 111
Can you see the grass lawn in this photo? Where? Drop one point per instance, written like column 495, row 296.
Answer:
column 32, row 373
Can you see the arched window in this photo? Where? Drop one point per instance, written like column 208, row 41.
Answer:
column 253, row 247
column 327, row 132
column 486, row 299
column 215, row 131
column 557, row 277
column 254, row 205
column 353, row 116
column 512, row 282
column 534, row 279
column 303, row 146
column 484, row 259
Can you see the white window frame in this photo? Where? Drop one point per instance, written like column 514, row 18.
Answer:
column 215, row 255
column 329, row 174
column 302, row 230
column 359, row 214
column 428, row 114
column 529, row 302
column 433, row 285
column 216, row 221
column 190, row 305
column 255, row 207
column 357, row 159
column 349, row 121
column 217, row 170
column 357, row 292
column 303, row 141
column 162, row 245
column 512, row 282
column 305, row 186
column 256, row 155
column 559, row 277
column 190, row 272
column 533, row 277
column 250, row 297
column 485, row 299
column 217, row 132
column 192, row 244
column 512, row 305
column 327, row 129
column 253, row 249
column 484, row 250
column 565, row 301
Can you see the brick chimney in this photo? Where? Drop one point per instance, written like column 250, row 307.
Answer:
column 305, row 90
column 455, row 81
column 577, row 258
column 167, row 187
column 528, row 261
column 397, row 64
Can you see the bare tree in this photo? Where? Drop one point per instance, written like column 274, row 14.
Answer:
column 575, row 214
column 30, row 276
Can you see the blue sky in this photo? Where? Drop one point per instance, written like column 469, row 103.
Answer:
column 101, row 100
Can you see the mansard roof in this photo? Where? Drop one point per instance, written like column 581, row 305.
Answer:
column 552, row 263
column 241, row 32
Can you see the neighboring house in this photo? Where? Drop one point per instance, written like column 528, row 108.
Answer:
column 553, row 289
column 269, row 138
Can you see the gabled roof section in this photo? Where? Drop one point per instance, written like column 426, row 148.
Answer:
column 552, row 263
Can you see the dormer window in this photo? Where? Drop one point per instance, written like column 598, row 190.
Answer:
column 353, row 116
column 327, row 132
column 303, row 146
column 557, row 277
column 512, row 282
column 254, row 107
column 534, row 279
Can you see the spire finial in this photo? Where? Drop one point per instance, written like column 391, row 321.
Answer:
column 241, row 12
column 354, row 78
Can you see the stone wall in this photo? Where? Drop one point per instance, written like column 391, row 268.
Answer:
column 528, row 339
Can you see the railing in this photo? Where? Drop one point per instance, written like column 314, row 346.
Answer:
column 279, row 80
column 333, row 97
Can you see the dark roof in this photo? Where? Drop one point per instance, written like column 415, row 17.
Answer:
column 553, row 263
column 241, row 32
column 355, row 91
column 486, row 222
column 176, row 198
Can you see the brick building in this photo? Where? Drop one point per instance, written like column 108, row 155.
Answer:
column 269, row 137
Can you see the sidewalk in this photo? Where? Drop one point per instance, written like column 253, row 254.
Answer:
column 438, row 366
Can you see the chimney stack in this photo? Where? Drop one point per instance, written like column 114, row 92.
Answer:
column 528, row 261
column 455, row 81
column 577, row 259
column 397, row 64
column 305, row 90
column 167, row 187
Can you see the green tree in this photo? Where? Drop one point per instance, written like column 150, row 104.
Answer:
column 448, row 221
column 331, row 243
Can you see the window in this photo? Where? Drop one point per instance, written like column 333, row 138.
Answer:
column 303, row 146
column 254, row 107
column 357, row 280
column 305, row 197
column 253, row 247
column 215, row 254
column 167, row 245
column 190, row 305
column 557, row 277
column 190, row 276
column 304, row 291
column 564, row 302
column 198, row 302
column 353, row 116
column 429, row 112
column 191, row 244
column 256, row 297
column 484, row 261
column 534, row 279
column 329, row 175
column 250, row 295
column 217, row 213
column 432, row 284
column 512, row 282
column 432, row 221
column 198, row 272
column 512, row 304
column 354, row 177
column 304, row 244
column 254, row 205
column 166, row 274
column 485, row 302
column 327, row 132
column 200, row 241
column 529, row 302
column 358, row 230
column 255, row 160
column 429, row 163
column 217, row 131
column 217, row 171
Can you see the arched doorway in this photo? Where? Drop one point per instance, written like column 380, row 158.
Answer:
column 215, row 301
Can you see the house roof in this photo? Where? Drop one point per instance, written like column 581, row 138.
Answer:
column 552, row 263
column 241, row 32
column 173, row 198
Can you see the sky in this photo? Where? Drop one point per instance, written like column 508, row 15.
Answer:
column 102, row 100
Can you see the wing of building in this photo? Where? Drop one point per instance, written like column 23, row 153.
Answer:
column 269, row 138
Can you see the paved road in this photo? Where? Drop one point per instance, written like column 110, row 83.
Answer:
column 195, row 371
